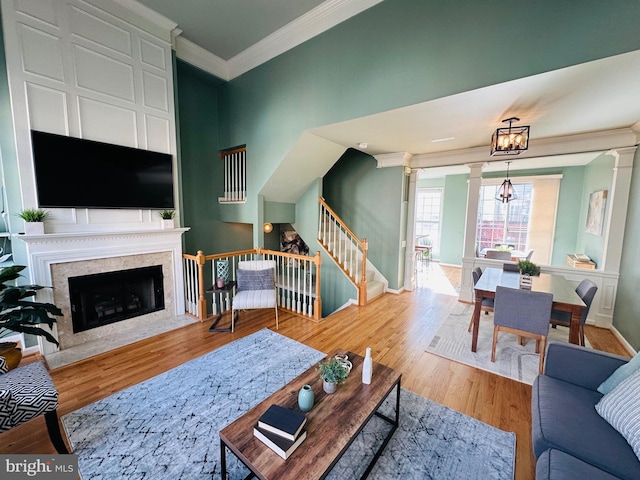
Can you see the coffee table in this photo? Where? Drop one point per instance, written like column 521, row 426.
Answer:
column 333, row 423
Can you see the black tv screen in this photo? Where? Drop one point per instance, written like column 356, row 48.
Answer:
column 78, row 173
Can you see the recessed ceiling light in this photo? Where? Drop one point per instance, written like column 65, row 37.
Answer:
column 363, row 145
column 446, row 139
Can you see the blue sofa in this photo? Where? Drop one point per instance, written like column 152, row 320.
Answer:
column 570, row 439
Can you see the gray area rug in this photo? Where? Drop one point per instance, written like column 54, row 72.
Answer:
column 452, row 341
column 167, row 427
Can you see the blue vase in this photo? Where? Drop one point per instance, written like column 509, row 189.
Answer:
column 305, row 398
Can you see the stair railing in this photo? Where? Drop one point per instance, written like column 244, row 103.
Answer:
column 344, row 247
column 297, row 281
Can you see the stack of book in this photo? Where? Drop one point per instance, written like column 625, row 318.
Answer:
column 281, row 429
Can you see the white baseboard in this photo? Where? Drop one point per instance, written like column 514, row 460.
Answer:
column 623, row 341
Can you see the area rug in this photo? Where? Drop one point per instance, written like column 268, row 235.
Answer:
column 513, row 360
column 167, row 427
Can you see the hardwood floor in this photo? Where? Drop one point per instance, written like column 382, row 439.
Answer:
column 392, row 325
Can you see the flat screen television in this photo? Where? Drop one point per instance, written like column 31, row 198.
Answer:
column 77, row 173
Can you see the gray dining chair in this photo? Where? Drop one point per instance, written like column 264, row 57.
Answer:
column 510, row 267
column 524, row 313
column 498, row 255
column 586, row 289
column 487, row 303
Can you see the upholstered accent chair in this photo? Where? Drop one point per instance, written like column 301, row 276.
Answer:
column 256, row 287
column 25, row 393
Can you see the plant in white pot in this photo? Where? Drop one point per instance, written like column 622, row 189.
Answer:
column 34, row 220
column 332, row 372
column 167, row 218
column 527, row 269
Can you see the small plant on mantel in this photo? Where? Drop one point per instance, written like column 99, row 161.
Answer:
column 31, row 215
column 527, row 267
column 167, row 214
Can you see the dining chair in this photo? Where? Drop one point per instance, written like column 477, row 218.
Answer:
column 524, row 313
column 586, row 289
column 510, row 267
column 529, row 254
column 498, row 254
column 487, row 303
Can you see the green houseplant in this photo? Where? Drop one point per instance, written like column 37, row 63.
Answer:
column 20, row 315
column 527, row 267
column 167, row 218
column 332, row 372
column 34, row 220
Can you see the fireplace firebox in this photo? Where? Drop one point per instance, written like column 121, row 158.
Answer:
column 110, row 297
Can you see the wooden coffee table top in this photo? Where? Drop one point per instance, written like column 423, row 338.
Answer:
column 333, row 422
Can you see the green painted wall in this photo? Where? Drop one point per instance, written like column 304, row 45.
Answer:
column 369, row 200
column 625, row 317
column 598, row 175
column 201, row 169
column 454, row 211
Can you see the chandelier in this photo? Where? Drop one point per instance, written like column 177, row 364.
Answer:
column 510, row 140
column 506, row 192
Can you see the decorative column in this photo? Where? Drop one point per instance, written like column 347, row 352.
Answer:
column 471, row 223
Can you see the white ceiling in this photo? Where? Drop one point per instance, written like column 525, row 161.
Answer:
column 597, row 96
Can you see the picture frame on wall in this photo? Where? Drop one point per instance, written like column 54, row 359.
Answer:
column 595, row 213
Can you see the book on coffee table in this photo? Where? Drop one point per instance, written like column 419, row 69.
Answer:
column 278, row 444
column 282, row 421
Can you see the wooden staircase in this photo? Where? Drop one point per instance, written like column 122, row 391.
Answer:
column 349, row 253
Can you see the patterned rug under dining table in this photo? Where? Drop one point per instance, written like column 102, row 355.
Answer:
column 333, row 422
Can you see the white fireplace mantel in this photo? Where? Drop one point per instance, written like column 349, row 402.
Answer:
column 43, row 251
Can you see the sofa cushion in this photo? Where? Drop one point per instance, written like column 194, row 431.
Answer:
column 564, row 418
column 620, row 374
column 556, row 465
column 255, row 279
column 621, row 408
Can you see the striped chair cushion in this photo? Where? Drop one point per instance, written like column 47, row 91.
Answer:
column 25, row 393
column 4, row 368
column 621, row 408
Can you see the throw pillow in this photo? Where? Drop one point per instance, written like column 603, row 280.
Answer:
column 255, row 279
column 621, row 408
column 620, row 374
column 3, row 365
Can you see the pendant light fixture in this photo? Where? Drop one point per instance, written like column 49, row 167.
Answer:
column 506, row 192
column 510, row 140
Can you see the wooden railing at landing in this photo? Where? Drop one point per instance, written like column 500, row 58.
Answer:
column 344, row 247
column 297, row 281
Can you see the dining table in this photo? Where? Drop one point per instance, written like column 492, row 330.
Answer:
column 565, row 297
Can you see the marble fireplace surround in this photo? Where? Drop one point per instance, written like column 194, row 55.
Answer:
column 53, row 258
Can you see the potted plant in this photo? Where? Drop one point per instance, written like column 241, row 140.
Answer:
column 527, row 269
column 21, row 315
column 332, row 372
column 167, row 218
column 34, row 220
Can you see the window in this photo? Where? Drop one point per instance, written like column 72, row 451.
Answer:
column 504, row 223
column 428, row 208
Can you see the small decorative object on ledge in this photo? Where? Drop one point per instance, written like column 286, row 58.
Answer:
column 222, row 269
column 528, row 270
column 332, row 372
column 34, row 220
column 167, row 218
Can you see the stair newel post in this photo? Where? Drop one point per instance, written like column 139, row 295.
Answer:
column 202, row 301
column 317, row 302
column 362, row 297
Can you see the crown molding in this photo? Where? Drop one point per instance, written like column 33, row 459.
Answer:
column 399, row 159
column 199, row 57
column 155, row 18
column 544, row 147
column 325, row 16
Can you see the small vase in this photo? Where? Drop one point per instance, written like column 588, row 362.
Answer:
column 11, row 353
column 167, row 223
column 328, row 387
column 305, row 398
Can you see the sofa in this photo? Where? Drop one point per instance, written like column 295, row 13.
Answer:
column 570, row 439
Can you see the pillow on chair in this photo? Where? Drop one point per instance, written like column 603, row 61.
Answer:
column 255, row 279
